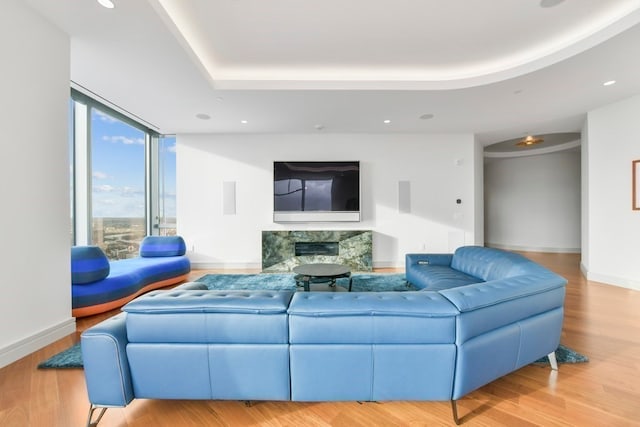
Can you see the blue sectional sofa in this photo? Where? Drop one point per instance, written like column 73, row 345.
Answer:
column 99, row 285
column 193, row 343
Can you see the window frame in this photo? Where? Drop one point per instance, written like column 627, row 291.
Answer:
column 82, row 106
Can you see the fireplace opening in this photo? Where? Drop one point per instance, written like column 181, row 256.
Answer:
column 316, row 248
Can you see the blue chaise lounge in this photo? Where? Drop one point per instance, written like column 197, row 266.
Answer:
column 99, row 285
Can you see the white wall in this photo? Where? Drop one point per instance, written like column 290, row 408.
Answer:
column 613, row 134
column 35, row 288
column 533, row 202
column 440, row 168
column 584, row 203
column 478, row 179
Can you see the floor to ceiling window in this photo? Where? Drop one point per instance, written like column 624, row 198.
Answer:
column 118, row 207
column 123, row 185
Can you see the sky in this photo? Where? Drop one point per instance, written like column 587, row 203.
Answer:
column 118, row 170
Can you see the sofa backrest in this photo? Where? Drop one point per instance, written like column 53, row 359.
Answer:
column 371, row 318
column 202, row 316
column 492, row 264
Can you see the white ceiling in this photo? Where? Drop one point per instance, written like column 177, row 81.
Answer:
column 500, row 69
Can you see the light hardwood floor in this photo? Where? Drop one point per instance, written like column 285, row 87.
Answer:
column 601, row 321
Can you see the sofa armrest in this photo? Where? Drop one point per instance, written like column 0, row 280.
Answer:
column 480, row 295
column 106, row 367
column 427, row 259
column 491, row 305
column 415, row 264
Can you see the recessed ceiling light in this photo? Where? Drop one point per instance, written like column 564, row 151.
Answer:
column 609, row 83
column 203, row 116
column 244, row 122
column 107, row 3
column 387, row 121
column 550, row 3
column 427, row 116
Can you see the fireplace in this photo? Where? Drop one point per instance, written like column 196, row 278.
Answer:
column 284, row 250
column 317, row 248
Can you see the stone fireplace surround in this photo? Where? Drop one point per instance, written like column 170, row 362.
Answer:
column 354, row 249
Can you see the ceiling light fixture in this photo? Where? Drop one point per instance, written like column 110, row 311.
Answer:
column 609, row 83
column 386, row 122
column 244, row 122
column 107, row 3
column 529, row 141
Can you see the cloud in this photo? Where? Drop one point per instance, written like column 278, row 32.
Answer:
column 105, row 117
column 130, row 192
column 100, row 175
column 103, row 188
column 123, row 140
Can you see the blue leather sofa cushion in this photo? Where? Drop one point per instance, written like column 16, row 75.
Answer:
column 194, row 316
column 160, row 246
column 439, row 277
column 88, row 264
column 489, row 263
column 367, row 317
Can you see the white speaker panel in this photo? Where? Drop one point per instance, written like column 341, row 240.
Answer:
column 229, row 198
column 404, row 196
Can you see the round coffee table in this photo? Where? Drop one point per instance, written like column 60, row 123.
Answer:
column 309, row 273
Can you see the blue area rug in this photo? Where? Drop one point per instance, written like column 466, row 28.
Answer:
column 69, row 358
column 565, row 355
column 362, row 282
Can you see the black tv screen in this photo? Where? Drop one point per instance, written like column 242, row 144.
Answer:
column 324, row 191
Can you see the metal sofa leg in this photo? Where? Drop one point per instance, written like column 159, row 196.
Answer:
column 454, row 409
column 92, row 409
column 553, row 361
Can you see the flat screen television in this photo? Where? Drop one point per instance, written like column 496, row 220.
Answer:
column 316, row 191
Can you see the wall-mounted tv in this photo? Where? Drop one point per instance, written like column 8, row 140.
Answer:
column 316, row 191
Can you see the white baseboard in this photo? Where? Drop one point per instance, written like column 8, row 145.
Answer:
column 583, row 269
column 195, row 265
column 612, row 280
column 534, row 249
column 387, row 264
column 26, row 346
